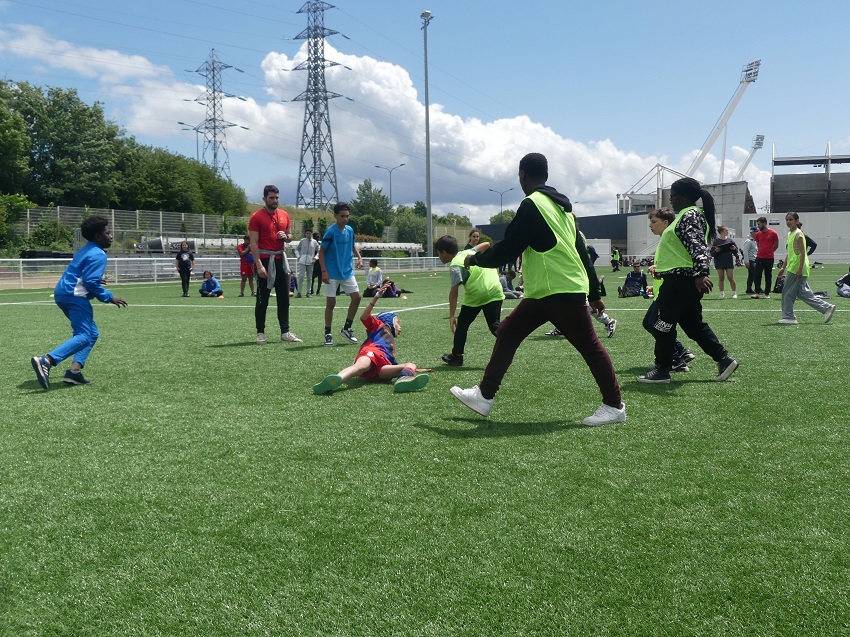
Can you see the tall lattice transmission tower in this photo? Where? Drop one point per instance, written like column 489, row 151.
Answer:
column 316, row 141
column 213, row 127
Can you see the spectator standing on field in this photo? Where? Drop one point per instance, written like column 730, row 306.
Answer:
column 767, row 241
column 246, row 265
column 796, row 270
column 559, row 281
column 749, row 255
column 724, row 251
column 482, row 292
column 615, row 260
column 81, row 282
column 335, row 257
column 185, row 263
column 269, row 229
column 682, row 261
column 474, row 238
column 306, row 253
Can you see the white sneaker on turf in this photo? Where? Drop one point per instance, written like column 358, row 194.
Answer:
column 827, row 316
column 261, row 338
column 289, row 337
column 473, row 399
column 723, row 295
column 785, row 321
column 611, row 327
column 606, row 415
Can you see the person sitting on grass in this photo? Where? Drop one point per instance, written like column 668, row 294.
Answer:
column 843, row 285
column 376, row 359
column 210, row 286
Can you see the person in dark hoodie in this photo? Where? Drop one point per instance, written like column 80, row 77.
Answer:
column 559, row 282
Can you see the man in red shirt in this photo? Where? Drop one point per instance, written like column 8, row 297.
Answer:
column 767, row 241
column 270, row 228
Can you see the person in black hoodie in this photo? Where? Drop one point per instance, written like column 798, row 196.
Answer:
column 559, row 282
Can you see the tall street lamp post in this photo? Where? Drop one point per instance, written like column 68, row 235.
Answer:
column 429, row 231
column 501, row 195
column 390, row 171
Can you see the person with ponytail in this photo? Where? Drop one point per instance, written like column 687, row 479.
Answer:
column 682, row 261
column 796, row 270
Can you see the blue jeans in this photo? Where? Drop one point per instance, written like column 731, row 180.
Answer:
column 81, row 315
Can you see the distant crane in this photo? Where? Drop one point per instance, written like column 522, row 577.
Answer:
column 758, row 143
column 749, row 74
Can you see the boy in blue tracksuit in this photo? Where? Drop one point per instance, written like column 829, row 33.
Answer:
column 81, row 281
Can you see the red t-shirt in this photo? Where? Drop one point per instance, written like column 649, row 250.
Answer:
column 767, row 240
column 268, row 225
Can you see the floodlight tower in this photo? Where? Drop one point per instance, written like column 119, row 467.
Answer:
column 758, row 143
column 214, row 125
column 316, row 140
column 749, row 74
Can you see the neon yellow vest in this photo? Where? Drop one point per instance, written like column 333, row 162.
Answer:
column 671, row 253
column 482, row 286
column 794, row 259
column 560, row 269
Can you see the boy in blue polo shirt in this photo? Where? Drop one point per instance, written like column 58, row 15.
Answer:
column 81, row 281
column 335, row 259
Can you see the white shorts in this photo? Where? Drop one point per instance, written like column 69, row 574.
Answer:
column 349, row 286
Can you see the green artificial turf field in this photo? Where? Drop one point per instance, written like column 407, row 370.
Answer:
column 198, row 487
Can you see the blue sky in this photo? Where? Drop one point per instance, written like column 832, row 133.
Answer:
column 605, row 90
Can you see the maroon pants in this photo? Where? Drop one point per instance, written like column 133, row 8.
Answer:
column 570, row 315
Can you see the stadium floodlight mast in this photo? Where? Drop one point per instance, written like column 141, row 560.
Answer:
column 390, row 171
column 501, row 194
column 426, row 19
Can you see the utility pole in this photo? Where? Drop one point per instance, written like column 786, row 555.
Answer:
column 213, row 127
column 316, row 140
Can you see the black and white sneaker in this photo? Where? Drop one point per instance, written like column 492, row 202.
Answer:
column 72, row 378
column 452, row 360
column 42, row 370
column 555, row 332
column 329, row 340
column 348, row 334
column 656, row 375
column 688, row 356
column 611, row 327
column 725, row 368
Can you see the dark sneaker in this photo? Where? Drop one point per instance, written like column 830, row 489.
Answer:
column 725, row 368
column 452, row 360
column 680, row 366
column 329, row 340
column 348, row 334
column 410, row 383
column 688, row 356
column 656, row 375
column 611, row 327
column 328, row 384
column 72, row 378
column 42, row 370
column 555, row 332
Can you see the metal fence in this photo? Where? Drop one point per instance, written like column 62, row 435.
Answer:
column 44, row 273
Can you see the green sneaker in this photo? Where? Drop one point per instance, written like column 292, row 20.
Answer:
column 411, row 383
column 327, row 385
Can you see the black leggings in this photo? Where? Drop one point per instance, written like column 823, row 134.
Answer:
column 492, row 314
column 185, row 275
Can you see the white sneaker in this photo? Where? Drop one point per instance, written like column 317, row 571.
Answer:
column 785, row 321
column 723, row 295
column 289, row 337
column 734, row 295
column 261, row 338
column 473, row 399
column 606, row 415
column 827, row 316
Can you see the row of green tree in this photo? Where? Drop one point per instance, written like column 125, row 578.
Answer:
column 57, row 150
